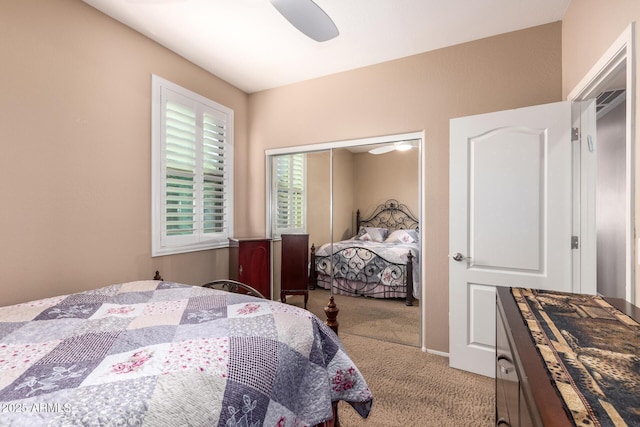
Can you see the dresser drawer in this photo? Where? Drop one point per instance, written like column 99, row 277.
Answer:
column 507, row 382
column 530, row 398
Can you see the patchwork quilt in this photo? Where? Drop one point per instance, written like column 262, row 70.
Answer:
column 165, row 354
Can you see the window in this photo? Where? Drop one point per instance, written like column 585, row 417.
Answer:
column 289, row 188
column 192, row 171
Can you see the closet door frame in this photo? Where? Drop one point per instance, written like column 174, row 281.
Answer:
column 330, row 146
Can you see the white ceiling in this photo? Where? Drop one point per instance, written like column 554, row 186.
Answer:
column 250, row 45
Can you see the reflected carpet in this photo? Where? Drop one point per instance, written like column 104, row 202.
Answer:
column 383, row 319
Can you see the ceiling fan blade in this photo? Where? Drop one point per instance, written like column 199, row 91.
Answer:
column 382, row 149
column 153, row 1
column 307, row 17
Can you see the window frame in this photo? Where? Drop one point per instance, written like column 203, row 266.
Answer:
column 161, row 243
column 303, row 190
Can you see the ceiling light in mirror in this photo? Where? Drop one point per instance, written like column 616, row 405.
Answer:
column 403, row 145
column 397, row 146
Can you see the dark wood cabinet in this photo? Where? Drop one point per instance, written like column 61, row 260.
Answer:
column 512, row 408
column 250, row 263
column 524, row 395
column 294, row 269
column 507, row 384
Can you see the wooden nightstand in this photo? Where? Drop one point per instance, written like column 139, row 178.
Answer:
column 295, row 266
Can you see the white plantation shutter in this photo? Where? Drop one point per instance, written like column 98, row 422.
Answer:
column 180, row 169
column 289, row 188
column 216, row 167
column 192, row 171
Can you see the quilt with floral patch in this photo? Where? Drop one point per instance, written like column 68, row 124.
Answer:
column 165, row 354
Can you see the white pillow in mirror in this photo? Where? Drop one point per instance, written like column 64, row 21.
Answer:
column 374, row 234
column 403, row 236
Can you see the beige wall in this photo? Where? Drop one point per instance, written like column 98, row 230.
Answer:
column 421, row 92
column 589, row 28
column 393, row 175
column 75, row 163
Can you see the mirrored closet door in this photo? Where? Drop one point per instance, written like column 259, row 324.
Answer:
column 317, row 190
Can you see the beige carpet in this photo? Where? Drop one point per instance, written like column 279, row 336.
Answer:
column 387, row 320
column 410, row 388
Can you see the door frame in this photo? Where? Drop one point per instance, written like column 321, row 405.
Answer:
column 619, row 56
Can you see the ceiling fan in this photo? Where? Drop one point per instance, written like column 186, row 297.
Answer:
column 307, row 17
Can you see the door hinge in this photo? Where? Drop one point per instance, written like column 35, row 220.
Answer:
column 575, row 134
column 575, row 243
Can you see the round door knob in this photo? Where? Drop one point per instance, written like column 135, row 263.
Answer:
column 459, row 257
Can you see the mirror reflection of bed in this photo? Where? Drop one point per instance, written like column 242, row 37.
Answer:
column 375, row 274
column 365, row 182
column 380, row 260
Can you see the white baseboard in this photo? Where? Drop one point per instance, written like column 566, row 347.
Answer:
column 436, row 352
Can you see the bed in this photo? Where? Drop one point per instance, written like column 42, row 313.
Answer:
column 381, row 261
column 159, row 353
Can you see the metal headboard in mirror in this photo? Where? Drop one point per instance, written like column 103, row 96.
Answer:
column 391, row 215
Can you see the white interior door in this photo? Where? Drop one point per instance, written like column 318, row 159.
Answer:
column 510, row 218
